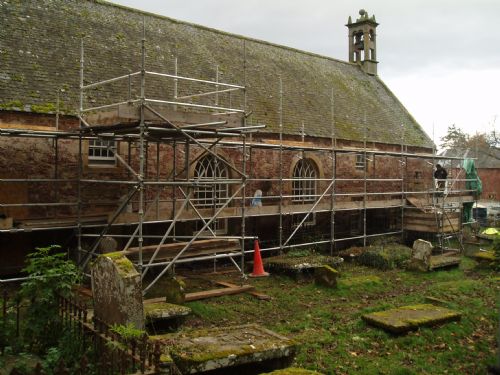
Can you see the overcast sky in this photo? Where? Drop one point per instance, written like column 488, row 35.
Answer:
column 440, row 57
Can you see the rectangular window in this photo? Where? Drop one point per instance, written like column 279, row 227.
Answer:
column 360, row 161
column 102, row 152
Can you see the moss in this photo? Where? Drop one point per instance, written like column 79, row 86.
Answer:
column 360, row 280
column 300, row 262
column 406, row 318
column 194, row 350
column 388, row 256
column 44, row 108
column 166, row 359
column 124, row 265
column 18, row 77
column 293, row 371
column 14, row 104
column 484, row 255
column 164, row 310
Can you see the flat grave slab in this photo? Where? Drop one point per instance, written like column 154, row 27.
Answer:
column 163, row 311
column 228, row 347
column 163, row 316
column 443, row 261
column 293, row 371
column 300, row 265
column 407, row 318
column 481, row 256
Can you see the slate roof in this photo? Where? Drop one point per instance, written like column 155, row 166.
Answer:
column 485, row 158
column 40, row 48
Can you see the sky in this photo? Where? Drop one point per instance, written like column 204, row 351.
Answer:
column 441, row 58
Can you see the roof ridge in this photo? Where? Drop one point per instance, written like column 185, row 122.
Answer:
column 222, row 32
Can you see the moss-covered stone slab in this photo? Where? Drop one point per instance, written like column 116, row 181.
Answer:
column 293, row 371
column 164, row 311
column 407, row 318
column 228, row 347
column 443, row 261
column 482, row 256
column 326, row 276
column 164, row 316
column 299, row 266
column 359, row 280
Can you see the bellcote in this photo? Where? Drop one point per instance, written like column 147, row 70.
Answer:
column 363, row 42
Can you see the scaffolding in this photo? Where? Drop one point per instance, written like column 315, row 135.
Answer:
column 187, row 134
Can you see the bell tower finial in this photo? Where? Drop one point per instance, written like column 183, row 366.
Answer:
column 363, row 42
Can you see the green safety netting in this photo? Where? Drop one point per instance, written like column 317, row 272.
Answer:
column 473, row 183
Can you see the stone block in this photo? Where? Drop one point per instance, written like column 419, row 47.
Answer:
column 326, row 276
column 300, row 266
column 407, row 318
column 293, row 371
column 227, row 348
column 165, row 317
column 174, row 290
column 117, row 291
column 420, row 256
column 444, row 261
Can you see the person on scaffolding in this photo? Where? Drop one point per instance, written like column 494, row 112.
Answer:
column 440, row 175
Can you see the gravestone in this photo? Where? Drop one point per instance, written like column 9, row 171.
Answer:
column 420, row 256
column 326, row 276
column 116, row 287
column 233, row 349
column 406, row 318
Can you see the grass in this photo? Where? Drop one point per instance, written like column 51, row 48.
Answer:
column 334, row 340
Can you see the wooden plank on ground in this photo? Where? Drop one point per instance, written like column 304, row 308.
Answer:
column 153, row 300
column 217, row 292
column 254, row 293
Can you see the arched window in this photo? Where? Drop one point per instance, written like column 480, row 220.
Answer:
column 304, row 183
column 209, row 168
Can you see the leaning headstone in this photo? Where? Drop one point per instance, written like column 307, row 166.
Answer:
column 116, row 287
column 326, row 276
column 420, row 256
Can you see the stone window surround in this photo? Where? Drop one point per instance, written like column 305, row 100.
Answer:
column 121, row 148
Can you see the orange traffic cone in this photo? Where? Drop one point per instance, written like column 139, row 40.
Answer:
column 258, row 267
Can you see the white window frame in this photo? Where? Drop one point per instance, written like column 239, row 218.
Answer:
column 100, row 155
column 360, row 161
column 304, row 186
column 210, row 168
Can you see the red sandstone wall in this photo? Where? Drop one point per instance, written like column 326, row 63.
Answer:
column 35, row 158
column 491, row 183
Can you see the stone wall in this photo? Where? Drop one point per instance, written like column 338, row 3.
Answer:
column 491, row 183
